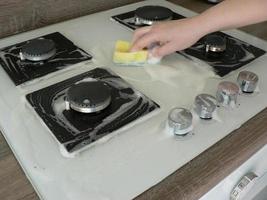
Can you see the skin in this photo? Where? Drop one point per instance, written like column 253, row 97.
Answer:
column 177, row 35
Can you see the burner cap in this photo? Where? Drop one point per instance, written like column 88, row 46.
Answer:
column 88, row 97
column 215, row 43
column 149, row 14
column 38, row 50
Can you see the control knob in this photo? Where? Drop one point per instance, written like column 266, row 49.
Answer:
column 180, row 121
column 205, row 105
column 247, row 81
column 227, row 93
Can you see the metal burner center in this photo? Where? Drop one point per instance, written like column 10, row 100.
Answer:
column 38, row 50
column 147, row 15
column 215, row 43
column 88, row 97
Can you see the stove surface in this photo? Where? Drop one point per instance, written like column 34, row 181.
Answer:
column 142, row 154
column 75, row 130
column 21, row 71
column 237, row 54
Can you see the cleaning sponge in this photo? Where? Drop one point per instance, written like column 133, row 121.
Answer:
column 122, row 54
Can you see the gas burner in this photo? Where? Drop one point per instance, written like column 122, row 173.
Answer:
column 38, row 57
column 88, row 97
column 38, row 50
column 147, row 15
column 215, row 44
column 120, row 104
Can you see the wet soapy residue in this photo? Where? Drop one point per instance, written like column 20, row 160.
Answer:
column 174, row 77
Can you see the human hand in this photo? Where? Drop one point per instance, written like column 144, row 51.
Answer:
column 170, row 36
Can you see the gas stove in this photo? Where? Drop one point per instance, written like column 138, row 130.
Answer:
column 83, row 109
column 126, row 130
column 219, row 50
column 40, row 56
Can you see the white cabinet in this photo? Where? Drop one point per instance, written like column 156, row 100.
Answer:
column 244, row 188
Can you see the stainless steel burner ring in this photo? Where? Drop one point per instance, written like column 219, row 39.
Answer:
column 38, row 50
column 88, row 97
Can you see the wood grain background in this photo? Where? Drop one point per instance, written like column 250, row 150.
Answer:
column 22, row 15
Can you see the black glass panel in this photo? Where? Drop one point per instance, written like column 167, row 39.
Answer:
column 74, row 130
column 21, row 71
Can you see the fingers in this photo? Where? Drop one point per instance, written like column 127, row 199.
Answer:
column 164, row 50
column 140, row 32
column 143, row 42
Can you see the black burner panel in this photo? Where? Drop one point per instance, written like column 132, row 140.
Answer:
column 40, row 56
column 236, row 55
column 75, row 130
column 150, row 14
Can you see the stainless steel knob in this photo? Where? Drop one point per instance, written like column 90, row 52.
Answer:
column 247, row 81
column 180, row 121
column 205, row 105
column 227, row 93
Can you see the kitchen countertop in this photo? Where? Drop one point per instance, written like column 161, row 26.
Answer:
column 198, row 175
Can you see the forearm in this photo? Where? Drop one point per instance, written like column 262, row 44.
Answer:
column 232, row 14
column 177, row 35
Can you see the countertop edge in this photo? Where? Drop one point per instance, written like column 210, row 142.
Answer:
column 206, row 170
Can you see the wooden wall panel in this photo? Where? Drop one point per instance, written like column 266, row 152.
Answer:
column 22, row 15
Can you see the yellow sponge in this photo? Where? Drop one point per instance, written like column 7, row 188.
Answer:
column 122, row 54
column 122, row 46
